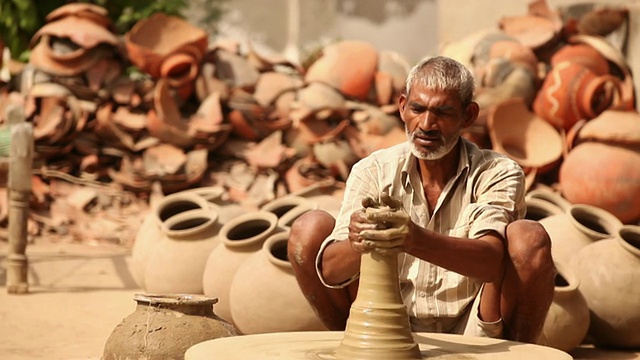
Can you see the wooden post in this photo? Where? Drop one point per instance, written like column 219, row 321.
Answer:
column 19, row 188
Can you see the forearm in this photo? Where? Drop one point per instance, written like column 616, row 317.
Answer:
column 478, row 258
column 339, row 262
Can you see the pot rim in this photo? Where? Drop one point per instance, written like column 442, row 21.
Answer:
column 175, row 299
column 234, row 223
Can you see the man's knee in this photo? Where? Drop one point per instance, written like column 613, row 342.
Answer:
column 529, row 244
column 307, row 234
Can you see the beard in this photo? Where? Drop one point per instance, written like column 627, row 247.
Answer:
column 446, row 145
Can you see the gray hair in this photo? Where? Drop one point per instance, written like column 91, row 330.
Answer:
column 443, row 73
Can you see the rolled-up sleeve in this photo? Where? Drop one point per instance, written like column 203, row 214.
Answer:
column 499, row 192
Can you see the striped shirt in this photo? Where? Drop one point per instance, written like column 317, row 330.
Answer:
column 485, row 195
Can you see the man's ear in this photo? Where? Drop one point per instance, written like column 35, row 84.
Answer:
column 402, row 102
column 471, row 114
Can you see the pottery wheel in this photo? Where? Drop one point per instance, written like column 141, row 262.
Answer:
column 322, row 345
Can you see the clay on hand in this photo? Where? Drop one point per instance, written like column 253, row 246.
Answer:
column 392, row 225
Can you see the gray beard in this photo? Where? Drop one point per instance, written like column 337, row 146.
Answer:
column 437, row 154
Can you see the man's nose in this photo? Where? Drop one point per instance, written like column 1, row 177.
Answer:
column 427, row 121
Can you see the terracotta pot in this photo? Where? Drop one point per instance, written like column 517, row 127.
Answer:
column 609, row 271
column 335, row 67
column 150, row 233
column 572, row 92
column 567, row 321
column 153, row 39
column 289, row 208
column 603, row 175
column 239, row 239
column 578, row 227
column 163, row 327
column 523, row 136
column 177, row 262
column 266, row 296
column 584, row 55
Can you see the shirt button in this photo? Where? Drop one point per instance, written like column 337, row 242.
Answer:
column 422, row 294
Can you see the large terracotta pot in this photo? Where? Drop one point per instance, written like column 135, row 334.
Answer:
column 578, row 227
column 567, row 321
column 149, row 233
column 572, row 92
column 265, row 295
column 163, row 327
column 603, row 175
column 177, row 262
column 609, row 272
column 289, row 208
column 239, row 239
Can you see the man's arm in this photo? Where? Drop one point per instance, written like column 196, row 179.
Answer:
column 477, row 258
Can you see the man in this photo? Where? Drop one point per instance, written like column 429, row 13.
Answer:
column 469, row 262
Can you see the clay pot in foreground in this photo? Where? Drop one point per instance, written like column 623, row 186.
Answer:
column 163, row 327
column 578, row 227
column 265, row 295
column 567, row 321
column 609, row 272
column 239, row 238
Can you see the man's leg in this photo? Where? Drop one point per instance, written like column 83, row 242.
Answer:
column 306, row 236
column 529, row 281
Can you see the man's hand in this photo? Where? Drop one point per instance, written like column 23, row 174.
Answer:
column 380, row 226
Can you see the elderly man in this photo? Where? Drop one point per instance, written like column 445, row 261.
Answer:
column 468, row 261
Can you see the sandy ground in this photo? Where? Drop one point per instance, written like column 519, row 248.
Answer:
column 80, row 292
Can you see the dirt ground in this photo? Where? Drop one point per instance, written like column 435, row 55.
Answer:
column 80, row 292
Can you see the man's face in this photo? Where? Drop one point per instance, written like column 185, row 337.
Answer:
column 433, row 121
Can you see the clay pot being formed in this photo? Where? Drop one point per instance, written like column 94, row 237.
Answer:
column 578, row 227
column 150, row 233
column 604, row 175
column 265, row 295
column 567, row 321
column 177, row 262
column 163, row 327
column 609, row 272
column 239, row 238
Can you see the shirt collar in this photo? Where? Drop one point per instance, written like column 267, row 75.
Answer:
column 410, row 162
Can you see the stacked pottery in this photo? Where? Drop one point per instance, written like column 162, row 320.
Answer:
column 578, row 227
column 609, row 272
column 265, row 293
column 163, row 327
column 603, row 168
column 177, row 262
column 567, row 321
column 239, row 238
column 149, row 233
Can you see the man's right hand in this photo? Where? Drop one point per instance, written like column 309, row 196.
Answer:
column 380, row 226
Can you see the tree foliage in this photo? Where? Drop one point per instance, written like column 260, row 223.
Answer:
column 20, row 19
